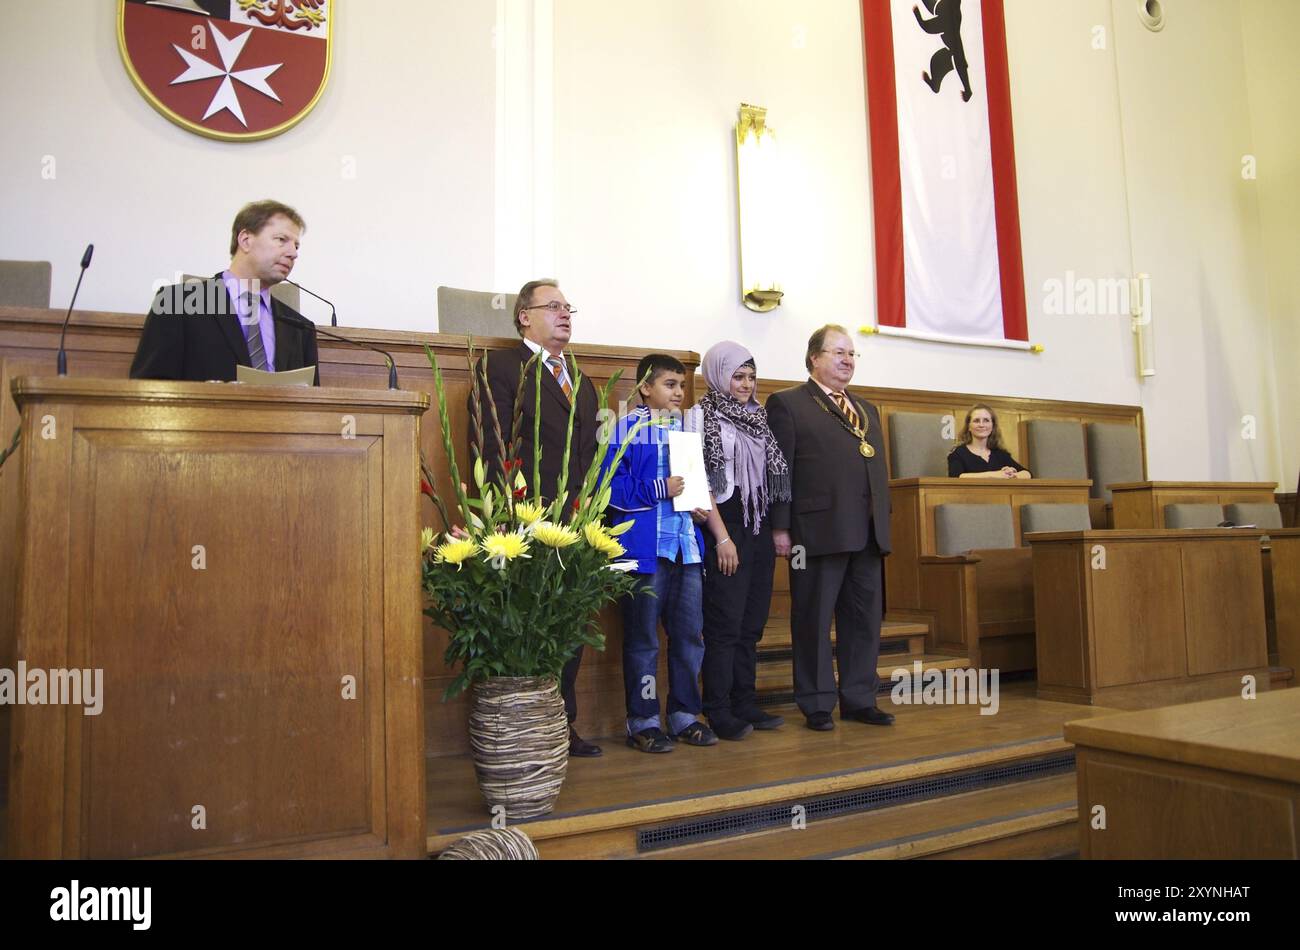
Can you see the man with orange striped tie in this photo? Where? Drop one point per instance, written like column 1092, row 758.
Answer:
column 835, row 530
column 543, row 318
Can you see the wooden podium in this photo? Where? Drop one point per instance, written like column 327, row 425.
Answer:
column 241, row 564
column 1149, row 618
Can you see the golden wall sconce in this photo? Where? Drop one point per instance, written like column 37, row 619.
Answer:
column 758, row 189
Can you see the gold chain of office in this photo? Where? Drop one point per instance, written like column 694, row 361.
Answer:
column 859, row 433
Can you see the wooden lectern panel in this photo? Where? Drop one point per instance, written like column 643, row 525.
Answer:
column 201, row 710
column 1137, row 624
column 1222, row 632
column 241, row 564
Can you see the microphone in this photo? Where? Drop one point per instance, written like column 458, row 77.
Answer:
column 304, row 322
column 63, row 355
column 334, row 314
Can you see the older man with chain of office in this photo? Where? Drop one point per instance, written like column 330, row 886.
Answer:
column 835, row 529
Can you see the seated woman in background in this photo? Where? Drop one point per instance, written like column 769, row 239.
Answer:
column 980, row 453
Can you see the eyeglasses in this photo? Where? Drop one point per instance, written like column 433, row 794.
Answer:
column 840, row 354
column 554, row 306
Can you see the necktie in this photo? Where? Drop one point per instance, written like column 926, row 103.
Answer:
column 256, row 350
column 557, row 370
column 846, row 407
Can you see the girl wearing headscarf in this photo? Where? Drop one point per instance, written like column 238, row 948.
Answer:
column 747, row 472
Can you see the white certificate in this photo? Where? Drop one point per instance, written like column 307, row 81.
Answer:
column 686, row 458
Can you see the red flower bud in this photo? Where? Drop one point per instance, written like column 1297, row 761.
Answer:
column 426, row 488
column 520, row 492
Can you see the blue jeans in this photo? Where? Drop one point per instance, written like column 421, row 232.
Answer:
column 673, row 594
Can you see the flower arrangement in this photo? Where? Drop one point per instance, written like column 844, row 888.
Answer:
column 519, row 587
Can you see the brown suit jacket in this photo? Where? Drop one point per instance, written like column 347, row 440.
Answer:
column 503, row 369
column 837, row 495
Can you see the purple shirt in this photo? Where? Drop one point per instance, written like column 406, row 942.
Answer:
column 264, row 324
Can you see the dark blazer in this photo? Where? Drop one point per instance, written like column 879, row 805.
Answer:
column 192, row 332
column 503, row 371
column 831, row 480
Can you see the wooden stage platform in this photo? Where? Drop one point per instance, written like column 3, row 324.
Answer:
column 944, row 781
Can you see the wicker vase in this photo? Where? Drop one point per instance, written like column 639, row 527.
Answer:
column 519, row 739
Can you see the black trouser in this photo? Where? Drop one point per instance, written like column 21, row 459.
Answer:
column 848, row 587
column 735, row 612
column 568, row 678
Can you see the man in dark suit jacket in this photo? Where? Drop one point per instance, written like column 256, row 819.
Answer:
column 202, row 330
column 543, row 319
column 836, row 526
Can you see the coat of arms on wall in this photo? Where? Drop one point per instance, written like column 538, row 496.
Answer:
column 228, row 69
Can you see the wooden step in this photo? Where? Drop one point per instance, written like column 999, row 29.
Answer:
column 929, row 828
column 607, row 800
column 776, row 635
column 778, row 675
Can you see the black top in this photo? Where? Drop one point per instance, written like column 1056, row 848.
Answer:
column 962, row 460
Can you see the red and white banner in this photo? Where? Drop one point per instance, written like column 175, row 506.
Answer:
column 947, row 220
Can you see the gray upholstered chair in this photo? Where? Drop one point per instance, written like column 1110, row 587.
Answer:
column 1041, row 517
column 476, row 311
column 1193, row 516
column 1260, row 515
column 25, row 283
column 917, row 448
column 1114, row 456
column 1055, row 449
column 962, row 528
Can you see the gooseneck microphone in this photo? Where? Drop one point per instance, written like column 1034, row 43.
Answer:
column 63, row 355
column 334, row 314
column 304, row 322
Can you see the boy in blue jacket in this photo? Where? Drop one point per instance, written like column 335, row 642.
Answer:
column 668, row 549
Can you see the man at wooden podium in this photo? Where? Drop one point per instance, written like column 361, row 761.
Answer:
column 203, row 330
column 835, row 530
column 543, row 319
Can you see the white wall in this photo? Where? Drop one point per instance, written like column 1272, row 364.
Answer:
column 410, row 100
column 1119, row 168
column 1128, row 159
column 1273, row 78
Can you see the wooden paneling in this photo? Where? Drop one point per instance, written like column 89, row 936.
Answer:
column 1286, row 594
column 1142, row 504
column 1164, row 810
column 1137, row 618
column 1063, row 658
column 228, row 558
column 1210, row 780
column 1149, row 617
column 1222, row 631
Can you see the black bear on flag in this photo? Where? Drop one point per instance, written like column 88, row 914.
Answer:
column 946, row 21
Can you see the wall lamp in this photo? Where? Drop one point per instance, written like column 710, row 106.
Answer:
column 758, row 187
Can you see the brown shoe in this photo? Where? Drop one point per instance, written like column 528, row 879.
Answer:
column 580, row 747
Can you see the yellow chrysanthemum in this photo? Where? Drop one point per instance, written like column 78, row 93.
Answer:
column 599, row 539
column 426, row 539
column 527, row 513
column 554, row 535
column 454, row 552
column 506, row 546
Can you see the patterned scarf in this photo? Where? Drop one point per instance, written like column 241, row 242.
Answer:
column 761, row 473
